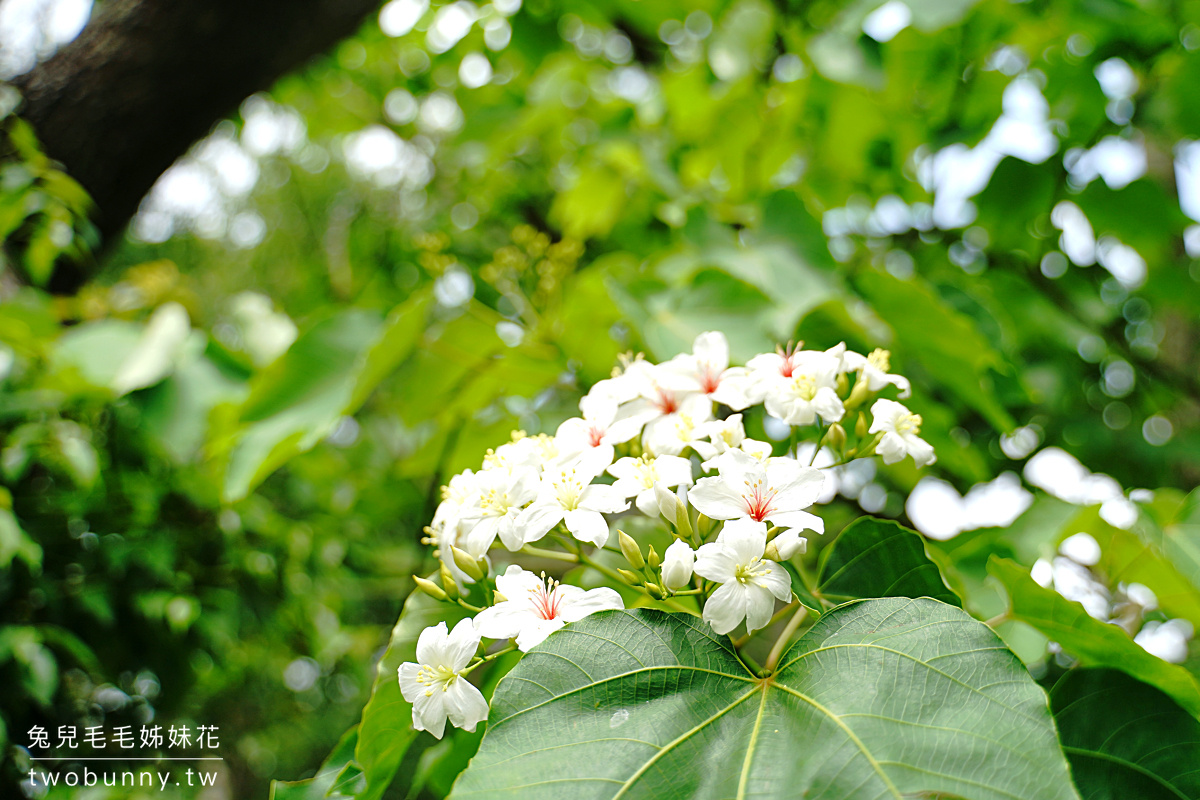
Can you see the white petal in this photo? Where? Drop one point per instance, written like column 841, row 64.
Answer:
column 717, row 499
column 777, row 581
column 587, row 526
column 712, row 347
column 537, row 520
column 431, row 644
column 505, row 620
column 461, row 645
column 535, row 633
column 746, row 538
column 677, row 564
column 603, row 498
column 797, row 519
column 788, row 544
column 575, row 607
column 673, row 470
column 429, row 712
column 726, row 608
column 717, row 562
column 464, row 704
column 760, row 605
column 647, row 503
column 409, row 686
column 891, row 448
column 517, row 583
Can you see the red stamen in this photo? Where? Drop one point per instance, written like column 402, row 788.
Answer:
column 546, row 603
column 666, row 402
column 595, row 435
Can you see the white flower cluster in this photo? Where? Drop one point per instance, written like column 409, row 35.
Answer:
column 668, row 440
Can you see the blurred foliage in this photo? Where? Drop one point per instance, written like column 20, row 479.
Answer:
column 216, row 511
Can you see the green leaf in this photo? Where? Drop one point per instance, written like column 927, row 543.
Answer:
column 327, row 373
column 881, row 698
column 1180, row 539
column 1094, row 643
column 1125, row 739
column 879, row 558
column 325, row 783
column 946, row 342
column 386, row 731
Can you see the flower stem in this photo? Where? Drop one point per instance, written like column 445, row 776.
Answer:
column 485, row 659
column 612, row 573
column 468, row 606
column 539, row 552
column 780, row 614
column 781, row 642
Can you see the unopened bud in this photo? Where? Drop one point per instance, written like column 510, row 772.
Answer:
column 652, row 558
column 630, row 550
column 835, row 437
column 654, row 590
column 498, row 598
column 430, row 588
column 467, row 563
column 858, row 394
column 843, row 384
column 631, row 578
column 787, row 544
column 860, row 427
column 449, row 586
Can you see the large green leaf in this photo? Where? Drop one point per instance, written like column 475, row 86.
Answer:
column 327, row 373
column 879, row 558
column 329, row 780
column 881, row 698
column 1093, row 642
column 1125, row 739
column 1180, row 540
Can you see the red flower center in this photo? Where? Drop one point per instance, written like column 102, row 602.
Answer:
column 546, row 603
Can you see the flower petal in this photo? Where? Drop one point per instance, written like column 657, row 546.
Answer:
column 461, row 645
column 717, row 562
column 726, row 608
column 574, row 607
column 717, row 499
column 537, row 520
column 431, row 644
column 587, row 526
column 535, row 633
column 464, row 704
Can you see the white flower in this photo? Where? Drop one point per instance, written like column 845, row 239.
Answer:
column 723, row 434
column 593, row 437
column 708, row 366
column 459, row 498
column 435, row 685
column 671, row 433
column 900, row 428
column 570, row 497
column 874, row 370
column 658, row 391
column 672, row 505
column 677, row 565
column 636, row 478
column 809, row 390
column 786, row 545
column 502, row 496
column 533, row 608
column 521, row 453
column 749, row 584
column 775, row 492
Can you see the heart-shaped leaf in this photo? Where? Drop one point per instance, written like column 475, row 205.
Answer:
column 881, row 698
column 1126, row 739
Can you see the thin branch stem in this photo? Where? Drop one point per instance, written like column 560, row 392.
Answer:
column 485, row 659
column 612, row 573
column 539, row 552
column 781, row 642
column 780, row 614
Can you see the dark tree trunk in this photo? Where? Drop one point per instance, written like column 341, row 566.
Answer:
column 147, row 78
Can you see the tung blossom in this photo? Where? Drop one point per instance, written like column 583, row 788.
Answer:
column 874, row 368
column 533, row 607
column 502, row 495
column 436, row 686
column 899, row 427
column 749, row 583
column 677, row 565
column 810, row 390
column 572, row 498
column 746, row 488
column 708, row 366
column 636, row 478
column 594, row 436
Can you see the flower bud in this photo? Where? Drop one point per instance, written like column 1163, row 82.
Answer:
column 677, row 565
column 652, row 558
column 430, row 588
column 467, row 563
column 843, row 384
column 835, row 437
column 858, row 394
column 674, row 508
column 630, row 550
column 631, row 578
column 449, row 586
column 860, row 427
column 785, row 545
column 655, row 591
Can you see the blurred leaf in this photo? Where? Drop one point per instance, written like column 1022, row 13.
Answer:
column 948, row 345
column 1125, row 739
column 1094, row 643
column 325, row 783
column 325, row 375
